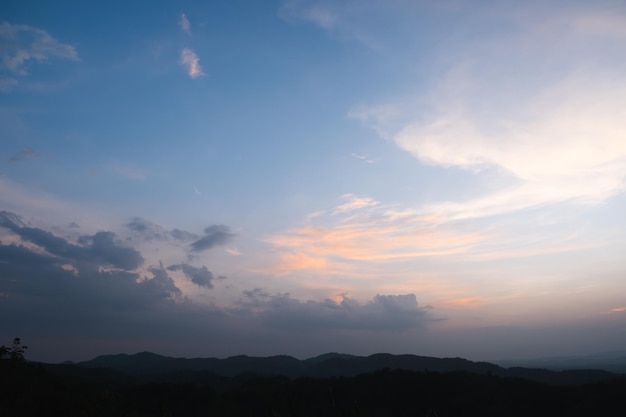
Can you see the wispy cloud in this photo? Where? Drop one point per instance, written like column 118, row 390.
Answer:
column 23, row 43
column 317, row 13
column 25, row 153
column 465, row 302
column 190, row 60
column 364, row 158
column 184, row 24
column 555, row 135
column 354, row 203
column 363, row 230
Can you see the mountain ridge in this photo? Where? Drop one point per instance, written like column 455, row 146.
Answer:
column 331, row 365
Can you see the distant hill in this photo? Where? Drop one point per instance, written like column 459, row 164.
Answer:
column 609, row 361
column 329, row 365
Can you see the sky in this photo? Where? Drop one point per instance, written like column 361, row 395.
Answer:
column 214, row 178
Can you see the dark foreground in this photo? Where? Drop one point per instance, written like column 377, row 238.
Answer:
column 30, row 389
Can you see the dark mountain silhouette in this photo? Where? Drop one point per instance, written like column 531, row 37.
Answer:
column 328, row 365
column 614, row 361
column 157, row 389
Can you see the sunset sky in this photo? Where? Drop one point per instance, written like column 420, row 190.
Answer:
column 213, row 178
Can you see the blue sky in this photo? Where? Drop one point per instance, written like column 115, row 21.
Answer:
column 296, row 177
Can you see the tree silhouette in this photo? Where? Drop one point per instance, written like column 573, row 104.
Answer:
column 15, row 352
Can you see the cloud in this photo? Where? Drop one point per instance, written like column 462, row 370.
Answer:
column 364, row 230
column 214, row 235
column 566, row 147
column 100, row 249
column 234, row 251
column 25, row 153
column 184, row 24
column 190, row 60
column 151, row 231
column 60, row 295
column 23, row 43
column 465, row 302
column 53, row 284
column 354, row 203
column 97, row 276
column 319, row 13
column 202, row 277
column 383, row 312
column 161, row 285
column 363, row 158
column 44, row 295
column 539, row 104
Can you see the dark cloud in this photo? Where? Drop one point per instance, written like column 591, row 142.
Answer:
column 383, row 312
column 44, row 292
column 151, row 231
column 183, row 235
column 101, row 249
column 161, row 285
column 104, row 246
column 25, row 153
column 30, row 278
column 199, row 276
column 213, row 235
column 217, row 234
column 68, row 308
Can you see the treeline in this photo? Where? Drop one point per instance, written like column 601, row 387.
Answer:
column 31, row 389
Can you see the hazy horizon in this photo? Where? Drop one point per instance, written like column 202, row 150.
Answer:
column 208, row 179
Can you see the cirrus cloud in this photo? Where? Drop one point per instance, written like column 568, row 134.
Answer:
column 23, row 44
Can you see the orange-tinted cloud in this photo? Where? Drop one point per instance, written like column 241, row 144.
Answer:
column 361, row 230
column 465, row 302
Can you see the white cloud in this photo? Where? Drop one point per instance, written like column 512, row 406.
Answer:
column 189, row 59
column 23, row 43
column 364, row 158
column 184, row 24
column 542, row 106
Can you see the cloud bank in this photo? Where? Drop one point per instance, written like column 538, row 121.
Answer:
column 383, row 312
column 98, row 287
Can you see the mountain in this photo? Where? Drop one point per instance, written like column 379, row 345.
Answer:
column 328, row 365
column 608, row 361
